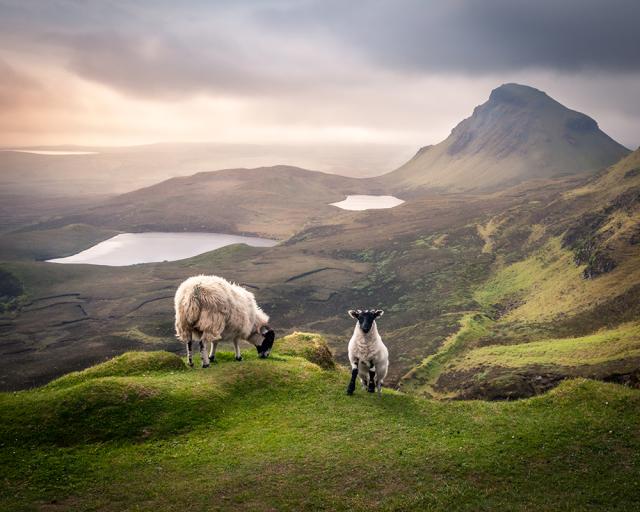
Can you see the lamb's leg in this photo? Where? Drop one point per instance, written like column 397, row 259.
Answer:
column 189, row 351
column 381, row 373
column 372, row 380
column 354, row 374
column 236, row 348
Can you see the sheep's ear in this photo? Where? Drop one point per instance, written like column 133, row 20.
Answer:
column 354, row 314
column 378, row 312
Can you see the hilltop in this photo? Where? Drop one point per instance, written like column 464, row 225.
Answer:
column 144, row 432
column 519, row 134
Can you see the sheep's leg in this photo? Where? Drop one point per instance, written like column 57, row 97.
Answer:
column 354, row 374
column 236, row 348
column 207, row 337
column 212, row 351
column 190, row 351
column 204, row 355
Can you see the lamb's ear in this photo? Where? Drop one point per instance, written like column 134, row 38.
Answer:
column 353, row 314
column 378, row 312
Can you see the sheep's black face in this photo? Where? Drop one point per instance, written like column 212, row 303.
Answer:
column 267, row 343
column 365, row 318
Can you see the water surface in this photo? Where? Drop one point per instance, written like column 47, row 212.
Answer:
column 51, row 152
column 364, row 202
column 132, row 248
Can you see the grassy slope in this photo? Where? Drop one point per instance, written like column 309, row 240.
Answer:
column 537, row 319
column 144, row 432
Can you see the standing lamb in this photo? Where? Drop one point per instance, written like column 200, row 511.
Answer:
column 367, row 353
column 213, row 309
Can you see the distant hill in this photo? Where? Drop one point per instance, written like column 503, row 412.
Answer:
column 270, row 201
column 115, row 170
column 519, row 134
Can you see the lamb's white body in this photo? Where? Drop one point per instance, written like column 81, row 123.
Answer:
column 369, row 356
column 212, row 309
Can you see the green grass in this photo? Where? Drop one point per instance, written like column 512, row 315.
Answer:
column 421, row 378
column 143, row 432
column 601, row 347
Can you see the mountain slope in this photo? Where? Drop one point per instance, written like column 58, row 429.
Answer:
column 519, row 134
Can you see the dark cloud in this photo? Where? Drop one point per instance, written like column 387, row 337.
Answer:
column 471, row 36
column 278, row 46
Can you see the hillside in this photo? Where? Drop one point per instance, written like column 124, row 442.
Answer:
column 270, row 201
column 144, row 432
column 519, row 134
column 562, row 299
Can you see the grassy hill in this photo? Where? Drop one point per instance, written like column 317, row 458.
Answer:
column 519, row 134
column 144, row 432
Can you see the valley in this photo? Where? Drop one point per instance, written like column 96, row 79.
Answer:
column 487, row 294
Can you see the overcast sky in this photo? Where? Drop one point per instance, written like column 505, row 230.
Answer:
column 303, row 71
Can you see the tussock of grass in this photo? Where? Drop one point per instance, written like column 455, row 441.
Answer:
column 312, row 347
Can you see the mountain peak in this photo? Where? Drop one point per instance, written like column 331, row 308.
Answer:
column 519, row 133
column 518, row 95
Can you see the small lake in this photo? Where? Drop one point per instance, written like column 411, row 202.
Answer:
column 133, row 248
column 50, row 152
column 363, row 202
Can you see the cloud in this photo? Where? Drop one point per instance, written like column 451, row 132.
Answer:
column 277, row 46
column 397, row 70
column 477, row 37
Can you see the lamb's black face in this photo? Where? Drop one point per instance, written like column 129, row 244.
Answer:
column 267, row 343
column 365, row 317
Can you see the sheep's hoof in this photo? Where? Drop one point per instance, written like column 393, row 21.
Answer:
column 190, row 363
column 206, row 365
column 238, row 358
column 371, row 388
column 350, row 390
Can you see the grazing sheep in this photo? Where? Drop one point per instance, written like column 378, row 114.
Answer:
column 214, row 309
column 367, row 353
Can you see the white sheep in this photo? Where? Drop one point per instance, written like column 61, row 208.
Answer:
column 213, row 309
column 367, row 354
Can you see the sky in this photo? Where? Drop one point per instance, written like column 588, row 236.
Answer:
column 127, row 72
